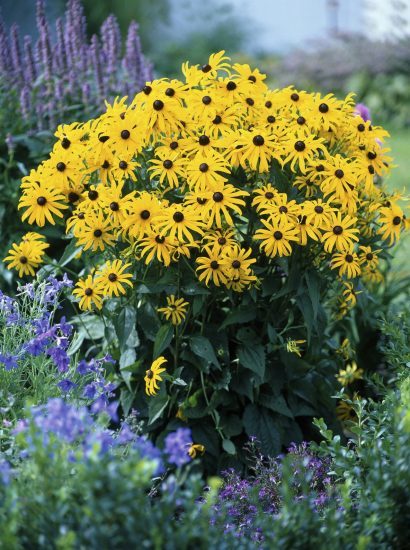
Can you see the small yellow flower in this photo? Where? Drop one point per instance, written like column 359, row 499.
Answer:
column 195, row 450
column 350, row 374
column 345, row 350
column 175, row 311
column 292, row 346
column 345, row 412
column 152, row 376
column 180, row 414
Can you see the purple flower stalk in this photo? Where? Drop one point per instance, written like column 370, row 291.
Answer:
column 65, row 68
column 176, row 446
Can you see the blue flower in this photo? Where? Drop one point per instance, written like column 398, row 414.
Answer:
column 66, row 385
column 9, row 361
column 176, row 446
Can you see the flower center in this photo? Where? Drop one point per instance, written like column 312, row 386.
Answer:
column 214, row 264
column 269, row 195
column 221, row 241
column 170, row 92
column 159, row 239
column 300, row 146
column 125, row 134
column 218, row 197
column 23, row 260
column 250, row 101
column 167, row 164
column 236, row 264
column 271, row 119
column 231, row 86
column 173, row 145
column 73, row 197
column 339, row 173
column 65, row 143
column 338, row 230
column 319, row 209
column 61, row 166
column 203, row 167
column 98, row 233
column 93, row 195
column 361, row 127
column 278, row 235
column 204, row 140
column 123, row 165
column 294, row 97
column 268, row 104
column 301, row 120
column 158, row 105
column 112, row 277
column 114, row 206
column 178, row 217
column 201, row 200
column 206, row 68
column 145, row 214
column 323, row 108
column 105, row 165
column 349, row 258
column 41, row 201
column 147, row 90
column 206, row 100
column 371, row 155
column 396, row 220
column 150, row 374
column 258, row 140
column 369, row 256
column 88, row 291
column 283, row 209
column 217, row 120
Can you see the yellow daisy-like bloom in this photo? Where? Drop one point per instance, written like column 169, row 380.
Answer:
column 90, row 292
column 391, row 219
column 368, row 257
column 277, row 237
column 152, row 376
column 345, row 349
column 339, row 233
column 26, row 256
column 175, row 310
column 96, row 233
column 345, row 412
column 220, row 238
column 257, row 148
column 112, row 277
column 42, row 203
column 180, row 222
column 265, row 197
column 347, row 263
column 212, row 267
column 204, row 173
column 169, row 169
column 349, row 374
column 155, row 245
column 220, row 200
column 302, row 151
column 196, row 449
column 349, row 295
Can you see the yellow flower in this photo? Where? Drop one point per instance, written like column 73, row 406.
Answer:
column 213, row 266
column 196, row 449
column 152, row 376
column 112, row 278
column 339, row 233
column 345, row 412
column 26, row 256
column 277, row 237
column 90, row 292
column 348, row 264
column 42, row 203
column 350, row 374
column 175, row 310
column 292, row 346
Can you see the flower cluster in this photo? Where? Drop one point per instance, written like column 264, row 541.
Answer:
column 244, row 499
column 221, row 170
column 180, row 448
column 63, row 69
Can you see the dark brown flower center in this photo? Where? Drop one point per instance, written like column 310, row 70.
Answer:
column 23, row 260
column 250, row 101
column 319, row 209
column 125, row 134
column 158, row 105
column 88, row 291
column 204, row 140
column 217, row 120
column 258, row 140
column 231, row 86
column 114, row 206
column 112, row 277
column 218, row 196
column 203, row 167
column 221, row 241
column 361, row 127
column 147, row 90
column 159, row 239
column 173, row 145
column 300, row 146
column 236, row 264
column 167, row 164
column 150, row 374
column 145, row 214
column 301, row 120
column 98, row 233
column 339, row 173
column 65, row 143
column 269, row 195
column 170, row 92
column 369, row 256
column 73, row 197
column 396, row 220
column 294, row 97
column 283, row 209
column 206, row 100
column 323, row 108
column 206, row 68
column 41, row 201
column 123, row 165
column 214, row 264
column 278, row 235
column 61, row 166
column 349, row 258
column 338, row 230
column 93, row 195
column 178, row 217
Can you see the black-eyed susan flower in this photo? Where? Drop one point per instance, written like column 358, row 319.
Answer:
column 26, row 256
column 153, row 376
column 340, row 233
column 265, row 196
column 345, row 412
column 203, row 173
column 257, row 148
column 180, row 222
column 347, row 263
column 212, row 267
column 238, row 261
column 391, row 220
column 220, row 238
column 220, row 200
column 113, row 276
column 90, row 293
column 175, row 310
column 318, row 212
column 42, row 203
column 277, row 237
column 168, row 169
column 154, row 245
column 96, row 233
column 142, row 210
column 302, row 151
column 349, row 374
column 293, row 346
column 368, row 257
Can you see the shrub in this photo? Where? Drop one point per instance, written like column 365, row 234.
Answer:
column 247, row 221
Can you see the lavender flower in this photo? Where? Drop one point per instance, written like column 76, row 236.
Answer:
column 63, row 68
column 66, row 385
column 363, row 111
column 176, row 446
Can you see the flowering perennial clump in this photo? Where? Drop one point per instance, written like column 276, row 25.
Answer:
column 218, row 225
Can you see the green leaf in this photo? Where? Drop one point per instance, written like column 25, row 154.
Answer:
column 259, row 422
column 91, row 326
column 252, row 357
column 277, row 404
column 70, row 252
column 163, row 339
column 125, row 328
column 313, row 285
column 229, row 447
column 126, row 400
column 242, row 314
column 304, row 303
column 202, row 347
column 127, row 358
column 156, row 407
